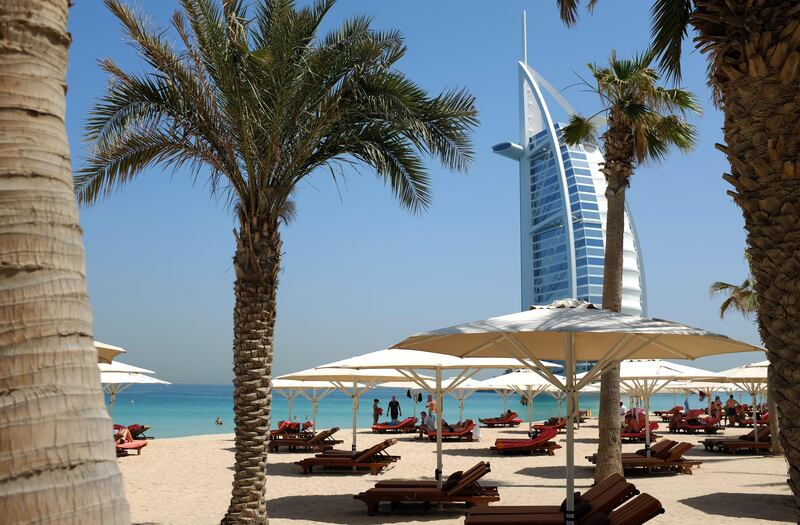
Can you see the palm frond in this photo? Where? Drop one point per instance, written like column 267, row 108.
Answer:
column 580, row 130
column 669, row 21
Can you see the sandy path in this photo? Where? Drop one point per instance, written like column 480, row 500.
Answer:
column 187, row 480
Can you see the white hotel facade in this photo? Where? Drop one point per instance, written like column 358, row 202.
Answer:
column 563, row 208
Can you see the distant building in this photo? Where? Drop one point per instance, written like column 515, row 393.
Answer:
column 563, row 209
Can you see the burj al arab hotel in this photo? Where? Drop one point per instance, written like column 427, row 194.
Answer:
column 563, row 207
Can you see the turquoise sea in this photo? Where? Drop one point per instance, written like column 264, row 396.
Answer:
column 187, row 410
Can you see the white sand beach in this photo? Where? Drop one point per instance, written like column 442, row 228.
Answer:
column 187, row 480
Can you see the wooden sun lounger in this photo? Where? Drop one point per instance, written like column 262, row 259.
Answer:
column 406, row 425
column 367, row 459
column 711, row 443
column 670, row 461
column 603, row 497
column 465, row 433
column 659, row 448
column 640, row 436
column 320, row 441
column 511, row 420
column 459, row 488
column 735, row 445
column 558, row 426
column 403, row 483
column 639, row 510
column 540, row 443
column 123, row 449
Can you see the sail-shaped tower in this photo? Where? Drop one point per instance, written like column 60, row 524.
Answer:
column 563, row 207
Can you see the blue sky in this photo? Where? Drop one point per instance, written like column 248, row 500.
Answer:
column 359, row 273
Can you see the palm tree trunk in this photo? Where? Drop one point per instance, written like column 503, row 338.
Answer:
column 257, row 262
column 772, row 409
column 58, row 460
column 755, row 53
column 617, row 169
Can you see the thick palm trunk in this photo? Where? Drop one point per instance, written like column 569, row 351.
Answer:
column 617, row 169
column 257, row 262
column 772, row 409
column 57, row 459
column 755, row 57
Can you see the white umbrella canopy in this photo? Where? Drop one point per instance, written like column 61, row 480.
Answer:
column 411, row 360
column 117, row 377
column 573, row 331
column 352, row 382
column 751, row 378
column 106, row 352
column 645, row 377
column 525, row 383
column 291, row 389
column 462, row 391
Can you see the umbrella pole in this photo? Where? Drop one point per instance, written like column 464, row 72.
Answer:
column 438, row 473
column 647, row 424
column 111, row 399
column 569, row 515
column 530, row 411
column 755, row 422
column 290, row 398
column 355, row 415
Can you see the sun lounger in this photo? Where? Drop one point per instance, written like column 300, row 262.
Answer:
column 709, row 425
column 123, row 449
column 602, row 498
column 541, row 443
column 640, row 509
column 555, row 423
column 640, row 436
column 509, row 420
column 458, row 488
column 320, row 441
column 659, row 448
column 367, row 459
column 464, row 433
column 400, row 483
column 406, row 425
column 712, row 443
column 670, row 460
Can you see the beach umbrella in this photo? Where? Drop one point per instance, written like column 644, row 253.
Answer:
column 645, row 377
column 525, row 383
column 462, row 391
column 409, row 361
column 314, row 391
column 106, row 352
column 573, row 331
column 413, row 388
column 750, row 378
column 117, row 377
column 353, row 383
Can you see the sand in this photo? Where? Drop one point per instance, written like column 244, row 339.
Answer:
column 187, row 480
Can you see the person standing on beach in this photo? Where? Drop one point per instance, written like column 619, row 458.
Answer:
column 730, row 410
column 394, row 410
column 376, row 411
column 430, row 404
column 622, row 411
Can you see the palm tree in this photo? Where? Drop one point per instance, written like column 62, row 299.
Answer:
column 644, row 121
column 753, row 51
column 743, row 299
column 58, row 461
column 257, row 101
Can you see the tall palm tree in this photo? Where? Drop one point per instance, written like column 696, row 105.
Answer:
column 753, row 51
column 743, row 299
column 257, row 101
column 58, row 461
column 644, row 122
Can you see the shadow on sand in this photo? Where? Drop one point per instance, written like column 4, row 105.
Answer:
column 558, row 472
column 348, row 510
column 774, row 507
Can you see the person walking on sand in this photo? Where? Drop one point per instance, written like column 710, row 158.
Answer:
column 394, row 410
column 430, row 404
column 376, row 411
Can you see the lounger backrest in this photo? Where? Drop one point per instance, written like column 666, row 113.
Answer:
column 660, row 447
column 653, row 426
column 603, row 486
column 320, row 436
column 363, row 456
column 468, row 478
column 763, row 433
column 677, row 452
column 612, row 498
column 637, row 511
